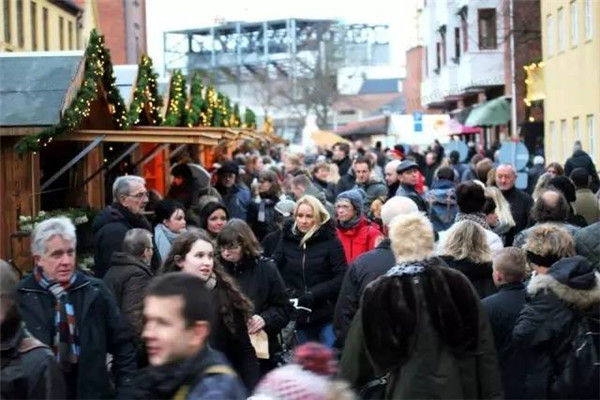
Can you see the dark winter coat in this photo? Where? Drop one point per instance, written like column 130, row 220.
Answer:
column 344, row 165
column 480, row 274
column 586, row 205
column 364, row 270
column 127, row 279
column 450, row 357
column 346, row 182
column 236, row 199
column 373, row 188
column 520, row 205
column 430, row 174
column 543, row 329
column 326, row 187
column 193, row 376
column 29, row 368
column 270, row 242
column 580, row 159
column 262, row 228
column 261, row 282
column 442, row 204
column 312, row 272
column 359, row 239
column 411, row 193
column 503, row 308
column 188, row 193
column 533, row 175
column 587, row 244
column 110, row 227
column 102, row 330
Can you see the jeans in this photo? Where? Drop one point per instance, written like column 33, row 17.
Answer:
column 320, row 333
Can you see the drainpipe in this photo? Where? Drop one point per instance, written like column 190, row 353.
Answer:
column 513, row 103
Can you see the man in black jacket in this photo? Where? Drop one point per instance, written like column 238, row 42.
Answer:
column 29, row 369
column 76, row 316
column 520, row 202
column 581, row 159
column 341, row 152
column 126, row 212
column 366, row 268
column 503, row 308
column 408, row 172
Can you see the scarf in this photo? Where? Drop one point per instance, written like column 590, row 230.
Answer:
column 350, row 223
column 163, row 238
column 478, row 218
column 66, row 339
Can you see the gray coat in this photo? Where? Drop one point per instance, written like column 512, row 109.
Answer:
column 587, row 244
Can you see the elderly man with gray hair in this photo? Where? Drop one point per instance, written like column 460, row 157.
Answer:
column 76, row 316
column 126, row 212
column 520, row 202
column 367, row 267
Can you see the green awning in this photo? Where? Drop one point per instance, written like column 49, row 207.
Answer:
column 490, row 113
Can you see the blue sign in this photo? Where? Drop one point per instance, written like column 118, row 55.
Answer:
column 515, row 154
column 418, row 122
column 459, row 146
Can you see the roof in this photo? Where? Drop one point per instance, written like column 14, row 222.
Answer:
column 371, row 126
column 366, row 102
column 33, row 86
column 372, row 86
column 230, row 27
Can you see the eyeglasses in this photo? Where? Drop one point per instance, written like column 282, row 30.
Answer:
column 230, row 247
column 139, row 195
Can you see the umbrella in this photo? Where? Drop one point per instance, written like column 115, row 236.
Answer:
column 326, row 138
column 490, row 113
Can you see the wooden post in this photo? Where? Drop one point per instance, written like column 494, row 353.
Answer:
column 94, row 189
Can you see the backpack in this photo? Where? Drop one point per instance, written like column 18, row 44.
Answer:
column 578, row 376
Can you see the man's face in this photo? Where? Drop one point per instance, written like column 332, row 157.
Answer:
column 344, row 211
column 227, row 179
column 137, row 198
column 505, row 178
column 391, row 176
column 166, row 335
column 338, row 153
column 362, row 172
column 430, row 159
column 298, row 191
column 410, row 177
column 58, row 262
column 322, row 174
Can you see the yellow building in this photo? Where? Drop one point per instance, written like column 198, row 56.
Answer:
column 571, row 53
column 39, row 25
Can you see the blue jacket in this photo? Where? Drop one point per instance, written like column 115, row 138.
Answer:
column 442, row 204
column 237, row 199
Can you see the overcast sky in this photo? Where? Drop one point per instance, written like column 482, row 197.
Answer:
column 165, row 15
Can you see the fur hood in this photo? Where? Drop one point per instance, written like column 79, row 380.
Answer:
column 573, row 280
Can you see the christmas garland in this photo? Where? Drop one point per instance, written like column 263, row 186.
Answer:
column 98, row 68
column 197, row 115
column 235, row 120
column 176, row 114
column 145, row 94
column 249, row 119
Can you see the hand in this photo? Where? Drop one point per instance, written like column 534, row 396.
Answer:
column 306, row 300
column 255, row 324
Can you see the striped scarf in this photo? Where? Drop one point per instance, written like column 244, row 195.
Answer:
column 66, row 340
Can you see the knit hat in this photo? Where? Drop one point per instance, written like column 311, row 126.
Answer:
column 355, row 196
column 285, row 207
column 229, row 167
column 538, row 160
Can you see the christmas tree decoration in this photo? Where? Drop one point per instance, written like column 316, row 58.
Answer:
column 98, row 71
column 176, row 114
column 197, row 113
column 235, row 120
column 145, row 96
column 268, row 125
column 249, row 119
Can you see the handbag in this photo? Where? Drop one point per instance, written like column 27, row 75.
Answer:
column 374, row 389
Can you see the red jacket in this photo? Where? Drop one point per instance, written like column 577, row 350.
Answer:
column 359, row 239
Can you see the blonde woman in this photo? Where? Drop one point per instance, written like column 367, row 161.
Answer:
column 466, row 249
column 504, row 220
column 312, row 263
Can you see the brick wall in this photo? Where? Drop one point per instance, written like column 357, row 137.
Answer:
column 111, row 14
column 411, row 86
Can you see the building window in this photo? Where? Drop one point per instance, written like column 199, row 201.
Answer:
column 7, row 27
column 465, row 33
column 426, row 61
column 33, row 21
column 61, row 32
column 550, row 34
column 20, row 27
column 487, row 28
column 561, row 29
column 576, row 130
column 574, row 24
column 589, row 21
column 565, row 136
column 438, row 57
column 456, row 45
column 554, row 138
column 591, row 131
column 70, row 35
column 45, row 28
column 442, row 32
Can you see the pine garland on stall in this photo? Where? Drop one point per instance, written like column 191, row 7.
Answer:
column 145, row 94
column 235, row 120
column 197, row 114
column 176, row 109
column 98, row 68
column 249, row 119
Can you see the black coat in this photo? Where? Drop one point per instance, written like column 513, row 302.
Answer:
column 270, row 242
column 411, row 193
column 364, row 270
column 326, row 187
column 580, row 159
column 101, row 328
column 344, row 165
column 127, row 279
column 533, row 175
column 314, row 271
column 110, row 227
column 503, row 308
column 262, row 228
column 480, row 274
column 29, row 368
column 542, row 334
column 260, row 280
column 520, row 205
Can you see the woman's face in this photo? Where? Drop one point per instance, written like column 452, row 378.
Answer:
column 176, row 223
column 264, row 185
column 199, row 260
column 231, row 253
column 216, row 221
column 259, row 165
column 551, row 171
column 491, row 219
column 305, row 218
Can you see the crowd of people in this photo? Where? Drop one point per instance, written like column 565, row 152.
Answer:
column 356, row 272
